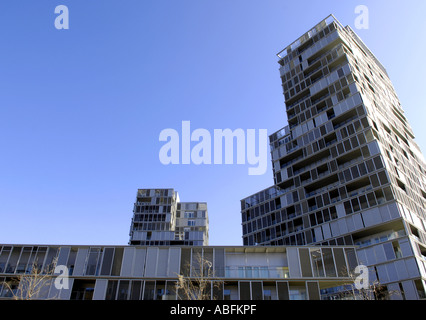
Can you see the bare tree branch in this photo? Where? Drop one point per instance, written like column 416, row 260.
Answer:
column 372, row 291
column 30, row 286
column 200, row 283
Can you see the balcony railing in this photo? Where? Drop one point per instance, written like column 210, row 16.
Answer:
column 256, row 272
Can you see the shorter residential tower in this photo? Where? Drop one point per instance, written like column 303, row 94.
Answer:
column 160, row 219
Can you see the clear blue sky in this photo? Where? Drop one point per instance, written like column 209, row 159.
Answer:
column 81, row 109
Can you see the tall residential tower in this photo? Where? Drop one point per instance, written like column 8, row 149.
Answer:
column 347, row 170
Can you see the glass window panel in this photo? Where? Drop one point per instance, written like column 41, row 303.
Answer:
column 348, row 207
column 355, row 204
column 107, row 261
column 111, row 290
column 389, row 252
column 317, row 263
column 249, row 273
column 297, row 292
column 355, row 172
column 264, row 272
column 378, row 162
column 267, row 294
column 341, row 267
column 185, row 261
column 283, row 293
column 371, row 199
column 160, row 288
column 123, row 290
column 135, row 293
column 319, row 217
column 196, row 261
column 351, row 257
column 118, row 257
column 92, row 261
column 388, row 194
column 370, row 165
column 363, row 202
column 362, row 169
column 25, row 255
column 374, row 180
column 218, row 292
column 305, row 262
column 50, row 259
column 313, row 289
column 219, row 261
column 383, row 178
column 208, row 262
column 3, row 258
column 256, row 290
column 149, row 290
column 13, row 260
column 244, row 290
column 330, row 269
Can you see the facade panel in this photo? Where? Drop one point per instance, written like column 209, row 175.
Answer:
column 80, row 261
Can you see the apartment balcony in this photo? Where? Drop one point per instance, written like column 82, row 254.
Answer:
column 256, row 272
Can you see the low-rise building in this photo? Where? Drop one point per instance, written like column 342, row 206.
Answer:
column 151, row 273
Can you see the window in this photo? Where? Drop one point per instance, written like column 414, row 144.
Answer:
column 326, row 215
column 379, row 196
column 361, row 139
column 397, row 249
column 378, row 162
column 317, row 264
column 312, row 219
column 297, row 292
column 333, row 213
column 330, row 269
column 83, row 290
column 388, row 194
column 161, row 290
column 355, row 172
column 244, row 289
column 371, row 199
column 383, row 178
column 93, row 262
column 123, row 290
column 149, row 290
column 189, row 215
column 347, row 175
column 348, row 208
column 226, row 294
column 354, row 142
column 347, row 145
column 111, row 290
column 355, row 204
column 267, row 295
column 389, row 251
column 135, row 291
column 319, row 217
column 374, row 180
column 362, row 169
column 363, row 202
column 401, row 185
